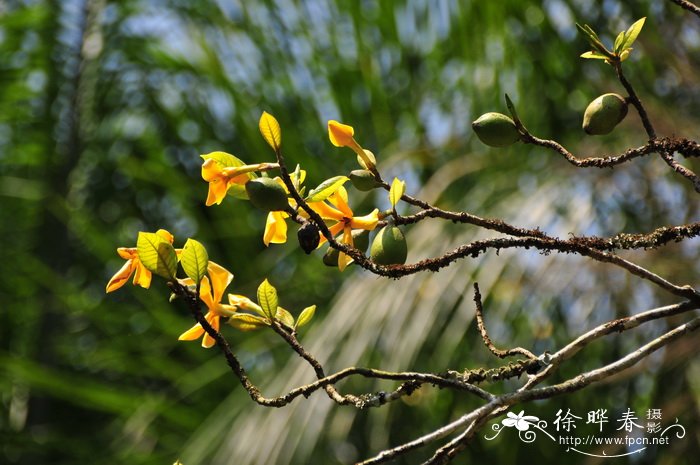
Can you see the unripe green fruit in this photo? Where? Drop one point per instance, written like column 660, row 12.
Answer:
column 603, row 114
column 363, row 180
column 360, row 240
column 496, row 130
column 267, row 194
column 389, row 247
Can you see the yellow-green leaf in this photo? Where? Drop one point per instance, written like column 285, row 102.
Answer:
column 285, row 317
column 632, row 33
column 194, row 260
column 326, row 189
column 619, row 41
column 398, row 187
column 594, row 56
column 247, row 322
column 267, row 298
column 157, row 254
column 270, row 130
column 224, row 159
column 306, row 315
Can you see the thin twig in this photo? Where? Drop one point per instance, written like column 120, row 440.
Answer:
column 688, row 6
column 485, row 335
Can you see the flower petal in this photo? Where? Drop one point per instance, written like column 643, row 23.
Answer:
column 127, row 252
column 217, row 191
column 340, row 201
column 142, row 277
column 275, row 228
column 195, row 332
column 207, row 340
column 120, row 277
column 340, row 134
column 335, row 229
column 220, row 279
column 343, row 259
column 368, row 222
column 211, row 169
column 326, row 211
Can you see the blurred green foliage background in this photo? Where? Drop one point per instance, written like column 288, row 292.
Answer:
column 104, row 109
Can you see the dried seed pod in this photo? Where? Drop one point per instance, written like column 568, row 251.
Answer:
column 308, row 237
column 389, row 247
column 267, row 194
column 603, row 114
column 496, row 130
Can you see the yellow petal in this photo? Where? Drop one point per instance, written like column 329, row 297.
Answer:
column 340, row 134
column 195, row 332
column 340, row 200
column 127, row 253
column 343, row 259
column 142, row 277
column 217, row 191
column 275, row 228
column 207, row 340
column 326, row 211
column 335, row 229
column 367, row 222
column 120, row 277
column 210, row 169
column 220, row 279
column 205, row 293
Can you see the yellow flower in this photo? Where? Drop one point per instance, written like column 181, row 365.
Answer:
column 142, row 277
column 341, row 135
column 220, row 179
column 211, row 291
column 340, row 212
column 275, row 225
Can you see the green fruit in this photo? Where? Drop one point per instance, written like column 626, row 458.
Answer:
column 267, row 194
column 363, row 180
column 603, row 114
column 496, row 130
column 360, row 239
column 389, row 247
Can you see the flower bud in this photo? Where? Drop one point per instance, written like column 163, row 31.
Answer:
column 308, row 237
column 389, row 247
column 603, row 114
column 267, row 194
column 496, row 130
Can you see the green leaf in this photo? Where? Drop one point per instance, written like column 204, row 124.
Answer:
column 594, row 56
column 194, row 260
column 157, row 254
column 267, row 298
column 285, row 317
column 247, row 322
column 632, row 33
column 619, row 41
column 511, row 108
column 306, row 315
column 224, row 159
column 326, row 189
column 270, row 130
column 397, row 189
